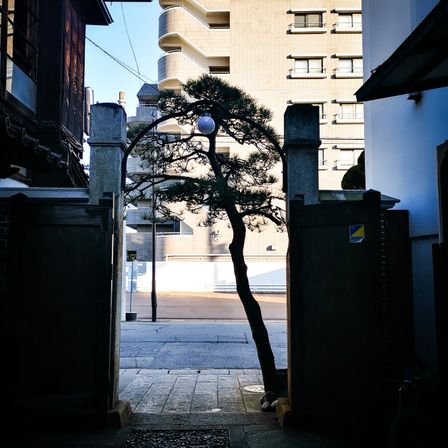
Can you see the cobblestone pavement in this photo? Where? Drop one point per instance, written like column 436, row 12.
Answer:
column 191, row 391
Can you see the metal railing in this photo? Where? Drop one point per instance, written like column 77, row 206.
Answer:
column 349, row 116
column 343, row 164
column 348, row 71
column 307, row 25
column 307, row 71
column 348, row 25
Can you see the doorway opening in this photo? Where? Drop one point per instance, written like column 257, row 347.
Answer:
column 199, row 355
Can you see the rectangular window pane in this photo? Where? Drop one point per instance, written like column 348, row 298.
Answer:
column 345, row 20
column 315, row 65
column 314, row 20
column 357, row 64
column 10, row 28
column 346, row 65
column 321, row 111
column 301, row 65
column 347, row 110
column 22, row 34
column 20, row 85
column 347, row 157
column 321, row 155
column 299, row 20
column 359, row 110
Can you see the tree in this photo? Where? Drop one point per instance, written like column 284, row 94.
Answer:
column 355, row 177
column 133, row 131
column 238, row 187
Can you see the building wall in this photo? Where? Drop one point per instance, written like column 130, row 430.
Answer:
column 401, row 140
column 260, row 48
column 214, row 276
column 257, row 47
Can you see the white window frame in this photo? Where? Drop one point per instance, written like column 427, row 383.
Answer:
column 354, row 67
column 346, row 159
column 322, row 160
column 307, row 67
column 350, row 112
column 348, row 21
column 309, row 27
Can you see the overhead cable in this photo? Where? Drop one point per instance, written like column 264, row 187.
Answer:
column 123, row 64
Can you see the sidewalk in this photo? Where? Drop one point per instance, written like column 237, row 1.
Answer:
column 192, row 391
column 186, row 408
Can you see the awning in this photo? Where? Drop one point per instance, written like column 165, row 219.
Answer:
column 95, row 12
column 419, row 63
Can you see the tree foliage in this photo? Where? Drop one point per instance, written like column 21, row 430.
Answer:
column 355, row 177
column 188, row 169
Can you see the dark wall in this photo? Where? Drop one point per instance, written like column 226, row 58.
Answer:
column 350, row 310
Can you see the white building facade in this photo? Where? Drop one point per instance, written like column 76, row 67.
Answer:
column 402, row 134
column 280, row 52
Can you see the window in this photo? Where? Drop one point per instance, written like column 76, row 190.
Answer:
column 322, row 114
column 22, row 27
column 349, row 68
column 349, row 22
column 307, row 67
column 307, row 22
column 223, row 151
column 73, row 95
column 350, row 113
column 19, row 40
column 219, row 70
column 310, row 20
column 320, row 103
column 321, row 159
column 346, row 159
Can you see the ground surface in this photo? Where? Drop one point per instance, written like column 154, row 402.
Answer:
column 196, row 345
column 204, row 305
column 194, row 367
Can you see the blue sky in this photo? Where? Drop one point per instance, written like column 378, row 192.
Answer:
column 105, row 76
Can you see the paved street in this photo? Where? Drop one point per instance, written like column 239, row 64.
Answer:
column 196, row 345
column 205, row 305
column 194, row 367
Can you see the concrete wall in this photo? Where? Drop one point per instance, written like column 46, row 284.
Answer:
column 401, row 138
column 207, row 276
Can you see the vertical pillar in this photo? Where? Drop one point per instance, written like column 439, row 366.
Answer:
column 301, row 124
column 301, row 146
column 107, row 144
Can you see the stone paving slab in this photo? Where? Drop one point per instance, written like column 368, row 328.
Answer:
column 190, row 391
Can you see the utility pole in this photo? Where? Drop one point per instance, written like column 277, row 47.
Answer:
column 153, row 248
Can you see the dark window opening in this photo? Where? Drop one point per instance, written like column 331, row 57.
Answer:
column 20, row 22
column 217, row 70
